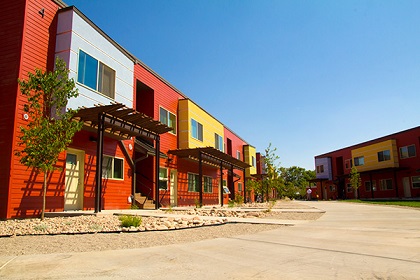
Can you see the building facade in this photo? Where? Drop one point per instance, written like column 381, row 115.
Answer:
column 389, row 167
column 143, row 141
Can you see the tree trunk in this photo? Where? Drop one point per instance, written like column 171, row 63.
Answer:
column 44, row 194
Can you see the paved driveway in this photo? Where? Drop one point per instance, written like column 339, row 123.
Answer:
column 351, row 241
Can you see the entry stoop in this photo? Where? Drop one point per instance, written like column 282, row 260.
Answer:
column 143, row 202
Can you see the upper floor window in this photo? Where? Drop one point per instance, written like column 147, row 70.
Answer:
column 320, row 169
column 238, row 155
column 168, row 118
column 163, row 178
column 218, row 142
column 384, row 155
column 359, row 161
column 196, row 130
column 96, row 75
column 253, row 161
column 408, row 151
column 385, row 184
column 112, row 168
column 348, row 163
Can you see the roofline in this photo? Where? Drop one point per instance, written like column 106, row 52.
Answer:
column 135, row 60
column 367, row 142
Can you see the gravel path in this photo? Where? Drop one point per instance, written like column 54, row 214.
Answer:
column 62, row 234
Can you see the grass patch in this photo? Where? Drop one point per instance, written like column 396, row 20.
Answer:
column 130, row 221
column 415, row 204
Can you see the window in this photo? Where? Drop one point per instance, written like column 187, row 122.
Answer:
column 348, row 163
column 332, row 188
column 112, row 168
column 368, row 186
column 196, row 130
column 359, row 161
column 253, row 161
column 239, row 187
column 384, row 155
column 416, row 182
column 385, row 184
column 320, row 169
column 167, row 118
column 349, row 188
column 408, row 151
column 218, row 142
column 193, row 185
column 163, row 178
column 96, row 75
column 238, row 155
column 208, row 184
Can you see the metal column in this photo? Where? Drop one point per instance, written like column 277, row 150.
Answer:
column 99, row 160
column 157, row 167
column 200, row 178
column 221, row 194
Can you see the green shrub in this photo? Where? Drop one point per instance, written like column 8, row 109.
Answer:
column 231, row 203
column 239, row 199
column 130, row 221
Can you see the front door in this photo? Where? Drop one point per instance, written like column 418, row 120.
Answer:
column 407, row 187
column 73, row 195
column 174, row 188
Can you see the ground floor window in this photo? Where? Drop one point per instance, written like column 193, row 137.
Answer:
column 416, row 182
column 349, row 188
column 112, row 168
column 385, row 184
column 163, row 178
column 193, row 180
column 208, row 184
column 369, row 184
column 239, row 187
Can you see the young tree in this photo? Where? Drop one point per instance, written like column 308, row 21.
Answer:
column 272, row 180
column 355, row 180
column 50, row 128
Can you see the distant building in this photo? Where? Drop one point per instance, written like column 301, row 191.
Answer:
column 389, row 167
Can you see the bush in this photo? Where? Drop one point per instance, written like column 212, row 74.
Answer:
column 130, row 221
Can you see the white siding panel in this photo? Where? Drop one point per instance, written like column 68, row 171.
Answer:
column 76, row 34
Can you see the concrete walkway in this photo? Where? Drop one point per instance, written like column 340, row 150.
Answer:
column 350, row 241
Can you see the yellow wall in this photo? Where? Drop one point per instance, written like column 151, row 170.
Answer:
column 249, row 152
column 188, row 110
column 370, row 153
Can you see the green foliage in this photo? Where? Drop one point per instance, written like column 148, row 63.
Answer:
column 407, row 203
column 272, row 180
column 197, row 203
column 355, row 180
column 231, row 203
column 50, row 127
column 134, row 207
column 296, row 179
column 239, row 199
column 130, row 221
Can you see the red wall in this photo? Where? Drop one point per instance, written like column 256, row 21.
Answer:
column 37, row 39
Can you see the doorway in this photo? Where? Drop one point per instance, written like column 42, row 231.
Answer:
column 174, row 188
column 407, row 187
column 73, row 195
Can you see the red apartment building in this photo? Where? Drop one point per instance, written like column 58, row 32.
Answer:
column 143, row 140
column 389, row 167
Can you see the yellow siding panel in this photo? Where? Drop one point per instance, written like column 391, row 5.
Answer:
column 370, row 154
column 188, row 110
column 249, row 153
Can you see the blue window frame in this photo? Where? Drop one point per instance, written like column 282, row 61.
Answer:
column 218, row 142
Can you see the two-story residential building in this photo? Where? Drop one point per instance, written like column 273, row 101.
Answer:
column 143, row 141
column 389, row 167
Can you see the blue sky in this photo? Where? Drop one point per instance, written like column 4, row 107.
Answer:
column 307, row 76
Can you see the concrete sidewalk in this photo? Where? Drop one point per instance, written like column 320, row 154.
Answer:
column 350, row 241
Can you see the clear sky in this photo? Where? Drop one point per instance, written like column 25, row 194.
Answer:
column 307, row 76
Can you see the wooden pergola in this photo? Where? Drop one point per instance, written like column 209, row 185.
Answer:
column 213, row 157
column 121, row 123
